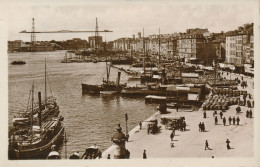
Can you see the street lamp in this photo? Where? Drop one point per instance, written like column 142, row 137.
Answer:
column 126, row 118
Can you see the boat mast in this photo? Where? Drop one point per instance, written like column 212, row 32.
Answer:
column 32, row 106
column 159, row 47
column 143, row 53
column 45, row 85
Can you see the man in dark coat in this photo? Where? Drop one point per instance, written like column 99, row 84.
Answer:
column 238, row 109
column 250, row 115
column 221, row 114
column 247, row 113
column 228, row 146
column 144, row 155
column 234, row 120
column 224, row 121
column 204, row 114
column 172, row 136
column 229, row 120
column 216, row 120
column 203, row 127
column 200, row 127
column 238, row 120
column 207, row 145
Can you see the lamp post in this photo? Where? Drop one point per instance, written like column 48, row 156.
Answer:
column 126, row 118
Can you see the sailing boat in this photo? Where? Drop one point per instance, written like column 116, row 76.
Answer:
column 49, row 109
column 147, row 76
column 36, row 140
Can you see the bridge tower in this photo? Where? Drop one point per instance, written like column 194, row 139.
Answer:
column 33, row 37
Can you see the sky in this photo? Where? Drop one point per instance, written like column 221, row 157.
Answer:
column 124, row 18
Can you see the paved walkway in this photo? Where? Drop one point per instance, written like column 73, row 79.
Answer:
column 191, row 143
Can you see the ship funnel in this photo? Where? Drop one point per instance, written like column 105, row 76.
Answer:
column 40, row 112
column 118, row 78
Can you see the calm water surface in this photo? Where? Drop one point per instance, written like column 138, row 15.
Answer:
column 87, row 119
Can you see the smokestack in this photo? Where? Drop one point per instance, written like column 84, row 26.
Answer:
column 133, row 36
column 40, row 112
column 118, row 78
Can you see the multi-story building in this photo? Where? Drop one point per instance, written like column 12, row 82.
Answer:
column 187, row 46
column 95, row 41
column 14, row 45
column 239, row 49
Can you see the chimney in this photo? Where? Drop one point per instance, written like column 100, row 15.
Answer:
column 118, row 78
column 40, row 112
column 133, row 36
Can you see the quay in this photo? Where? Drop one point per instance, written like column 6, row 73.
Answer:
column 191, row 143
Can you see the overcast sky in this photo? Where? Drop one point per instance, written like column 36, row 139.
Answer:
column 125, row 18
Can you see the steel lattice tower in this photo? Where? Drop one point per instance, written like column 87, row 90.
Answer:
column 33, row 37
column 96, row 34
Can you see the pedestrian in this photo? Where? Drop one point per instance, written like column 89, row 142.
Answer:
column 184, row 125
column 250, row 114
column 228, row 146
column 253, row 104
column 108, row 156
column 249, row 104
column 207, row 145
column 234, row 120
column 144, row 155
column 203, row 127
column 119, row 127
column 200, row 127
column 229, row 120
column 140, row 124
column 247, row 113
column 216, row 120
column 204, row 114
column 238, row 109
column 172, row 136
column 215, row 113
column 238, row 120
column 224, row 121
column 127, row 154
column 221, row 114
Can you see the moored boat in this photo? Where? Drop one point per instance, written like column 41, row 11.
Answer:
column 18, row 62
column 37, row 143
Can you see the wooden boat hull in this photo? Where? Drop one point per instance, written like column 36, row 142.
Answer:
column 43, row 151
column 92, row 89
column 143, row 92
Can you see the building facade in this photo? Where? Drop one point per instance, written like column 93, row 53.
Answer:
column 239, row 49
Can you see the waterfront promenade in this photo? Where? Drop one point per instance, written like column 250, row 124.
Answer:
column 191, row 143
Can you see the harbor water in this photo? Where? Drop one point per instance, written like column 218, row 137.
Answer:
column 88, row 119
